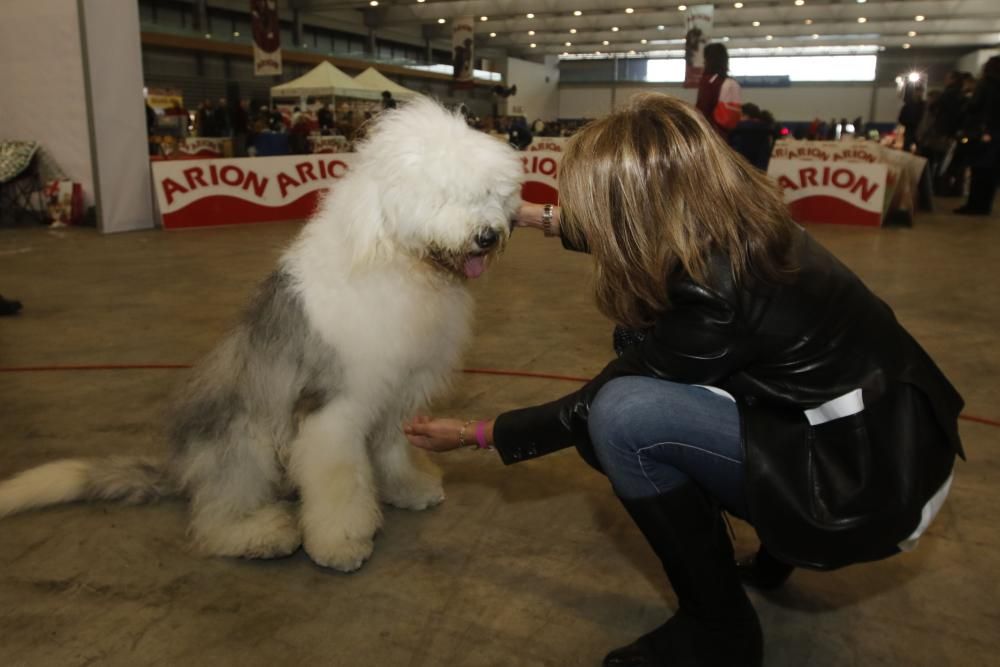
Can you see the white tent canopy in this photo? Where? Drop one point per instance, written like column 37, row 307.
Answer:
column 325, row 79
column 373, row 79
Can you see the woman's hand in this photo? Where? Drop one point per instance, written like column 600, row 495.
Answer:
column 442, row 435
column 530, row 215
column 435, row 435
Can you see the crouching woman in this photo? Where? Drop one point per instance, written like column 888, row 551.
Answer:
column 768, row 381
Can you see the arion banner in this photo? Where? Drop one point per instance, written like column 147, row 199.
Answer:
column 698, row 21
column 845, row 193
column 237, row 191
column 210, row 193
column 266, row 37
column 462, row 52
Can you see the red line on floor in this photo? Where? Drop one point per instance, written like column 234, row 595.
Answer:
column 471, row 371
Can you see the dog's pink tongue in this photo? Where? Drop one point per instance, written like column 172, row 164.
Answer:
column 474, row 266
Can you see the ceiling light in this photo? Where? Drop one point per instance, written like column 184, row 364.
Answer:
column 597, row 53
column 643, row 41
column 373, row 3
column 682, row 8
column 906, row 46
column 569, row 43
column 799, row 3
column 572, row 31
column 815, row 36
column 808, row 21
column 484, row 18
column 913, row 77
column 660, row 27
column 532, row 45
column 725, row 39
column 631, row 52
column 614, row 28
column 738, row 5
column 441, row 20
column 565, row 53
column 530, row 15
column 605, row 42
column 919, row 17
column 861, row 2
column 531, row 32
column 421, row 1
column 912, row 33
column 769, row 37
column 756, row 24
column 493, row 34
column 578, row 13
column 208, row 35
column 780, row 48
column 236, row 34
column 862, row 19
column 629, row 10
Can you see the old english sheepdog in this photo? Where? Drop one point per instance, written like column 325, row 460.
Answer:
column 362, row 322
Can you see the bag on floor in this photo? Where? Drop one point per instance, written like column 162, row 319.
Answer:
column 64, row 202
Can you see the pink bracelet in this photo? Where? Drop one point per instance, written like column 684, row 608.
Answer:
column 481, row 435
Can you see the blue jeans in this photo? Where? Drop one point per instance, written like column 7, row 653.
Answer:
column 652, row 436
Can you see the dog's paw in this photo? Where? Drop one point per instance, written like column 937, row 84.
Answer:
column 344, row 554
column 417, row 493
column 271, row 532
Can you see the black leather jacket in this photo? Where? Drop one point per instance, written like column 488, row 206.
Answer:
column 825, row 494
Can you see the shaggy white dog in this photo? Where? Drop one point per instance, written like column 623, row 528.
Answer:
column 360, row 325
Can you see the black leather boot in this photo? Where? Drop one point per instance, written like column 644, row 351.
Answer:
column 763, row 571
column 715, row 625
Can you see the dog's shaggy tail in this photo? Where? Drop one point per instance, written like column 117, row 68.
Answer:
column 129, row 479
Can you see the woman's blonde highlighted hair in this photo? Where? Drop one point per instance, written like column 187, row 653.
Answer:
column 653, row 191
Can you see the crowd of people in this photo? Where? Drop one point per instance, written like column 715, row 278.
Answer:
column 957, row 128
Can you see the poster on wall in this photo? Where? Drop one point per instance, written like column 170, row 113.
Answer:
column 462, row 50
column 266, row 37
column 698, row 23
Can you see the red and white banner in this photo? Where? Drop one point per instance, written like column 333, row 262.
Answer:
column 698, row 21
column 266, row 37
column 210, row 193
column 541, row 172
column 848, row 193
column 462, row 58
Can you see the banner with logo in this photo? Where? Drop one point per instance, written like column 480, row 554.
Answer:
column 462, row 52
column 210, row 193
column 266, row 37
column 846, row 193
column 698, row 21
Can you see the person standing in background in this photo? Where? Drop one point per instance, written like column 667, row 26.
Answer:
column 239, row 122
column 983, row 133
column 911, row 114
column 718, row 93
column 325, row 119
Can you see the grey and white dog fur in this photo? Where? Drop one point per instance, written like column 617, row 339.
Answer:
column 359, row 326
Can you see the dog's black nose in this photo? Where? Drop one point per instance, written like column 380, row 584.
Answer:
column 487, row 238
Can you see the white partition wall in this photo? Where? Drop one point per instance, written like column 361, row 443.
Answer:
column 72, row 80
column 116, row 110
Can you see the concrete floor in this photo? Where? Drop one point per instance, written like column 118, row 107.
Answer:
column 529, row 565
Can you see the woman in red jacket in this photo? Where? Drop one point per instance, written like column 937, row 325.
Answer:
column 718, row 93
column 769, row 381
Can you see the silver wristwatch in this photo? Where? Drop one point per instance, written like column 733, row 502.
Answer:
column 547, row 219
